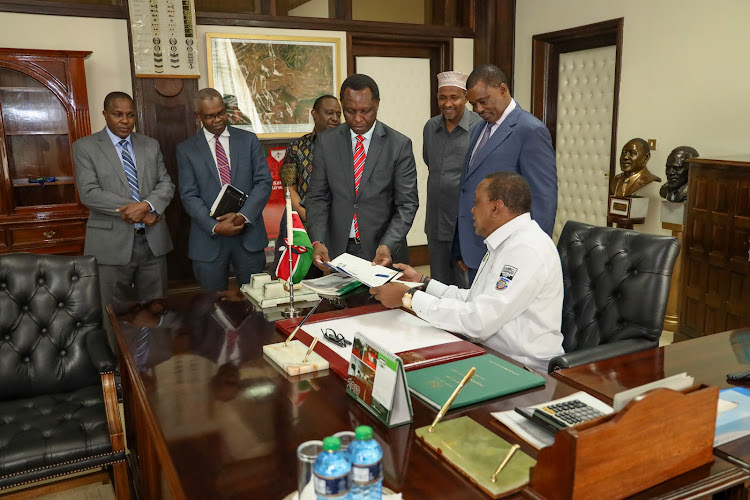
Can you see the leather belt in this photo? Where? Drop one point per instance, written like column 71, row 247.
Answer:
column 140, row 230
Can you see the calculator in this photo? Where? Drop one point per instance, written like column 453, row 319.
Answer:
column 554, row 417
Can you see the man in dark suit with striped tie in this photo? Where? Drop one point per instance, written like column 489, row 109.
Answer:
column 215, row 156
column 121, row 178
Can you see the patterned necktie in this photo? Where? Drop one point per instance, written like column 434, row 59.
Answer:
column 483, row 140
column 359, row 165
column 130, row 172
column 225, row 173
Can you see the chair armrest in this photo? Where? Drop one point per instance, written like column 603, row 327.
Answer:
column 599, row 353
column 99, row 352
column 116, row 436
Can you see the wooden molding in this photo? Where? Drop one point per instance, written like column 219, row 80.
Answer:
column 494, row 26
column 419, row 255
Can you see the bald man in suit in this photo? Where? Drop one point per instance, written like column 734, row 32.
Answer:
column 363, row 207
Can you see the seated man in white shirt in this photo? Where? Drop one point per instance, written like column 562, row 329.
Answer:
column 514, row 305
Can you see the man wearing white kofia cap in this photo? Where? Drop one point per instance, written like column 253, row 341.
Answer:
column 445, row 143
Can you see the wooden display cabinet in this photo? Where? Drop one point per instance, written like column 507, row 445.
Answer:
column 43, row 110
column 715, row 290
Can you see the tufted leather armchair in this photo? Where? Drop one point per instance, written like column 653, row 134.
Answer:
column 58, row 401
column 616, row 290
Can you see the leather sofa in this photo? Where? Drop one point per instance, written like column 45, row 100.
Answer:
column 616, row 290
column 58, row 402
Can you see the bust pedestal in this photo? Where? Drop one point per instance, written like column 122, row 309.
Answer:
column 672, row 217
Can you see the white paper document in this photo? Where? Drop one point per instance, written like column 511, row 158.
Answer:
column 394, row 330
column 363, row 270
column 535, row 435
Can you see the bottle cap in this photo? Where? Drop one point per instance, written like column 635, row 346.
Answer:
column 363, row 433
column 331, row 443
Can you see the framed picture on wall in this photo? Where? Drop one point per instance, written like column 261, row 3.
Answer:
column 271, row 82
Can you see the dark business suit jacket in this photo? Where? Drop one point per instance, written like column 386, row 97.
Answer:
column 523, row 145
column 103, row 188
column 200, row 184
column 387, row 200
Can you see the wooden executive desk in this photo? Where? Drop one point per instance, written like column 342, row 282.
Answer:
column 708, row 359
column 199, row 428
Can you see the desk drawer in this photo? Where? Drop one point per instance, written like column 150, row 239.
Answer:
column 47, row 233
column 3, row 241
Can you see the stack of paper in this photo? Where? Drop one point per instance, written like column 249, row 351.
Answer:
column 335, row 284
column 363, row 270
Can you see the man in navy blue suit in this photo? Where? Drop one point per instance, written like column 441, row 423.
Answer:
column 215, row 156
column 511, row 140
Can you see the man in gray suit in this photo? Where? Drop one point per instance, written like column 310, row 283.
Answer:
column 511, row 140
column 363, row 194
column 445, row 142
column 121, row 178
column 217, row 155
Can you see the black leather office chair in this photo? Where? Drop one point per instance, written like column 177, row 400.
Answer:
column 58, row 403
column 616, row 290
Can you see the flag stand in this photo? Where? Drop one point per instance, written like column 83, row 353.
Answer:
column 291, row 311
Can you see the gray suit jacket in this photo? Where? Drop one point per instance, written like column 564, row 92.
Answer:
column 103, row 188
column 200, row 184
column 387, row 200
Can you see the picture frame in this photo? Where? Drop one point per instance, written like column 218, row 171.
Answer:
column 270, row 82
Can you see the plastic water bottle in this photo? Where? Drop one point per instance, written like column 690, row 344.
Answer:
column 366, row 457
column 332, row 472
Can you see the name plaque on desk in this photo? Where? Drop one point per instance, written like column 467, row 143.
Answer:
column 631, row 208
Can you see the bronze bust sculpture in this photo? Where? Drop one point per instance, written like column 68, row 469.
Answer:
column 635, row 154
column 677, row 174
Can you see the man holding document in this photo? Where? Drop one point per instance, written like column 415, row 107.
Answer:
column 515, row 303
column 362, row 196
column 215, row 156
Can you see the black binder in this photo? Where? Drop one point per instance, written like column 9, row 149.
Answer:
column 229, row 200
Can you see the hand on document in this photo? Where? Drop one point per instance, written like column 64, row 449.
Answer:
column 390, row 294
column 382, row 257
column 321, row 258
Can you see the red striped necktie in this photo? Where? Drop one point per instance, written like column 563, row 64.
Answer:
column 359, row 165
column 225, row 173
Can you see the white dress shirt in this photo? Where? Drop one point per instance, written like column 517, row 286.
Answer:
column 514, row 305
column 500, row 120
column 366, row 143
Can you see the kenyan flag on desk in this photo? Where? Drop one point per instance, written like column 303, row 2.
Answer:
column 302, row 253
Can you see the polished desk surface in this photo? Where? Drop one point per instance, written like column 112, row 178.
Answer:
column 234, row 427
column 231, row 429
column 708, row 359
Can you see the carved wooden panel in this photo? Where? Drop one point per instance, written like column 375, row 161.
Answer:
column 716, row 276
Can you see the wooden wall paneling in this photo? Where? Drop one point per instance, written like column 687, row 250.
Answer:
column 715, row 288
column 165, row 113
column 494, row 23
column 340, row 9
column 312, row 23
column 117, row 11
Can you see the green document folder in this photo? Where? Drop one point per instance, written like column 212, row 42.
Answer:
column 494, row 377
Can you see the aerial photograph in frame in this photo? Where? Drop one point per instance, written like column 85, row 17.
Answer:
column 271, row 82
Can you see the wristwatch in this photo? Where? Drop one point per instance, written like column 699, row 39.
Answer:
column 406, row 299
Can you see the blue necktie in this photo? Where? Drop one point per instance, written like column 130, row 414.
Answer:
column 483, row 141
column 132, row 175
column 130, row 172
